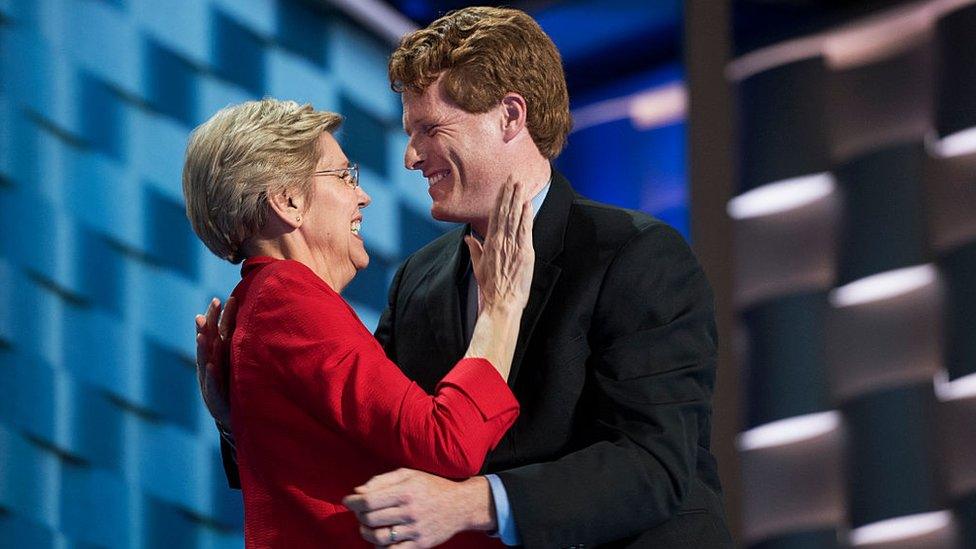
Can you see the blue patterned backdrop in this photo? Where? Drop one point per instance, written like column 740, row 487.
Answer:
column 103, row 438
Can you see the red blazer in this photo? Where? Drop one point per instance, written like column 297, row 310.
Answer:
column 318, row 409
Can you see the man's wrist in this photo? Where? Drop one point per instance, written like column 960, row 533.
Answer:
column 481, row 512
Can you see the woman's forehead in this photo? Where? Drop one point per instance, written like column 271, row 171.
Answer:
column 331, row 153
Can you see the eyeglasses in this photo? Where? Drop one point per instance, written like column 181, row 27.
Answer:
column 349, row 176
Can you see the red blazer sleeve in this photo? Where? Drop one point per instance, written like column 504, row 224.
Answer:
column 323, row 356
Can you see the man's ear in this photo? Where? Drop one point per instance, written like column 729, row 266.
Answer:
column 514, row 112
column 288, row 207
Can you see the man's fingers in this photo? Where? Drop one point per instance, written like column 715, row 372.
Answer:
column 200, row 322
column 372, row 536
column 355, row 503
column 384, row 537
column 379, row 537
column 389, row 516
column 386, row 479
column 373, row 501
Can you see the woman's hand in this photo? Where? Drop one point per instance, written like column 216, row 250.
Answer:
column 504, row 262
column 213, row 358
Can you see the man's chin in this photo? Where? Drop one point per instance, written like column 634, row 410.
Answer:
column 442, row 214
column 452, row 216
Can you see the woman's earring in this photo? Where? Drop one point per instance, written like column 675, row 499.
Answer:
column 298, row 219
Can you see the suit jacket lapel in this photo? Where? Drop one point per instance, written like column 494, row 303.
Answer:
column 443, row 302
column 443, row 299
column 548, row 232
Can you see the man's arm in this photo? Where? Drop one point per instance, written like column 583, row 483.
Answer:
column 426, row 510
column 654, row 362
column 505, row 528
column 653, row 358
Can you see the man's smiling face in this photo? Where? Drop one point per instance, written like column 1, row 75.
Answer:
column 460, row 153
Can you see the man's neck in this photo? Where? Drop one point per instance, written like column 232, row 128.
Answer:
column 535, row 175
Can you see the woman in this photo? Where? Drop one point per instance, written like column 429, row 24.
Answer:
column 317, row 408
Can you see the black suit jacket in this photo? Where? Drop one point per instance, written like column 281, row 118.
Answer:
column 614, row 370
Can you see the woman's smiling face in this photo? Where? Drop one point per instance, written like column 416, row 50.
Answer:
column 331, row 223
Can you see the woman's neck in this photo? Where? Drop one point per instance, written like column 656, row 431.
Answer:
column 293, row 247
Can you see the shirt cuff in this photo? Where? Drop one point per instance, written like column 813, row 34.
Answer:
column 507, row 530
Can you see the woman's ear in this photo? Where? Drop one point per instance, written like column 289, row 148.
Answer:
column 288, row 207
column 514, row 113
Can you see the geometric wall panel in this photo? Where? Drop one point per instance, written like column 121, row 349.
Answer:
column 957, row 435
column 878, row 341
column 892, row 454
column 781, row 114
column 965, row 514
column 783, row 248
column 815, row 539
column 785, row 366
column 950, row 200
column 887, row 99
column 859, row 276
column 936, row 530
column 104, row 441
column 884, row 225
column 795, row 486
column 957, row 269
column 956, row 106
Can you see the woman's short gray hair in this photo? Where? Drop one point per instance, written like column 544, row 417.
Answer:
column 239, row 157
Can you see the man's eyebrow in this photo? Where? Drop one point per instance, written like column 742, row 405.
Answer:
column 408, row 126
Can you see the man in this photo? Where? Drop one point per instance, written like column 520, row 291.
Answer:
column 615, row 362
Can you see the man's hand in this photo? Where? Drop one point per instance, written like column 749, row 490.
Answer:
column 213, row 357
column 422, row 509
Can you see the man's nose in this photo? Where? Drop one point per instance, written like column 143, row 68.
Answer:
column 412, row 159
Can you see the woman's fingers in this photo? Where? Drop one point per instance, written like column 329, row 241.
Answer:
column 520, row 220
column 476, row 251
column 518, row 199
column 503, row 263
column 525, row 227
column 225, row 325
column 213, row 313
column 524, row 250
column 505, row 214
column 495, row 214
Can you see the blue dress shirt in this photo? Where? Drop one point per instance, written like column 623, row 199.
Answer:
column 507, row 530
